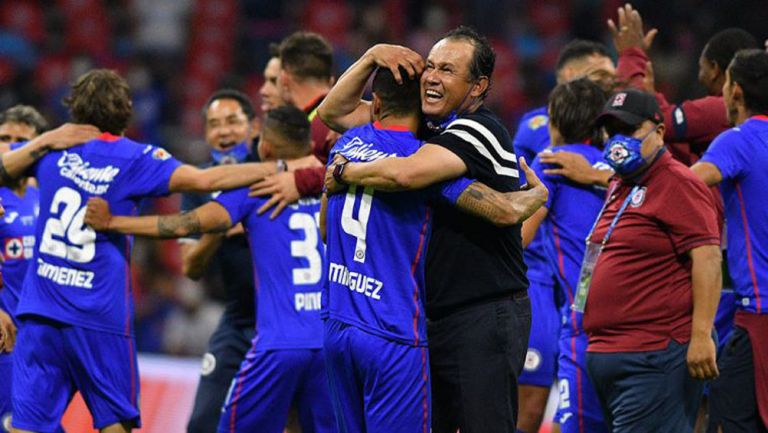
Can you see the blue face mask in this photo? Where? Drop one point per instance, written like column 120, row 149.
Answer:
column 235, row 154
column 623, row 153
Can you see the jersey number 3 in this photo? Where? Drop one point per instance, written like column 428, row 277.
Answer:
column 67, row 223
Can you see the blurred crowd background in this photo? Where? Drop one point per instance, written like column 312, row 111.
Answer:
column 175, row 53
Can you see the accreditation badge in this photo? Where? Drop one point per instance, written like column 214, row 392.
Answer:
column 585, row 276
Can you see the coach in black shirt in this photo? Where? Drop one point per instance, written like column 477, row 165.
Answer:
column 477, row 304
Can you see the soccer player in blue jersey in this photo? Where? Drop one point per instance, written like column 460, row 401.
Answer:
column 564, row 223
column 285, row 365
column 375, row 333
column 580, row 58
column 76, row 310
column 17, row 239
column 737, row 160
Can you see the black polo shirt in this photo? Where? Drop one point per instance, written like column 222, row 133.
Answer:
column 469, row 260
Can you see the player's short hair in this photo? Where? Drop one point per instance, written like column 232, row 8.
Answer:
column 292, row 130
column 573, row 109
column 749, row 68
column 102, row 98
column 724, row 44
column 240, row 97
column 483, row 58
column 578, row 49
column 398, row 99
column 307, row 55
column 26, row 115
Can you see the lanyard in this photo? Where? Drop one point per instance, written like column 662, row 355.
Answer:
column 615, row 219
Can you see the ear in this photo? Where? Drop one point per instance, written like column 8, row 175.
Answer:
column 737, row 93
column 660, row 130
column 376, row 107
column 480, row 86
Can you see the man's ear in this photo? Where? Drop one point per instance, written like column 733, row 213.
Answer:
column 737, row 93
column 376, row 107
column 480, row 86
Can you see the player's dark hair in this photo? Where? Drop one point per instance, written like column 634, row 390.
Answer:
column 240, row 97
column 483, row 57
column 26, row 115
column 573, row 109
column 274, row 50
column 749, row 68
column 307, row 55
column 578, row 49
column 397, row 99
column 724, row 44
column 291, row 129
column 102, row 98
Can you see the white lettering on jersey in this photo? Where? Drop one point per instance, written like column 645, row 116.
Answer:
column 357, row 150
column 86, row 177
column 355, row 281
column 65, row 276
column 309, row 301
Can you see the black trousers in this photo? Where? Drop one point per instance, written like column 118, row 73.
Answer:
column 226, row 350
column 476, row 355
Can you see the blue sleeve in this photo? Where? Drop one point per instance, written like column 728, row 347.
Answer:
column 151, row 172
column 451, row 190
column 549, row 181
column 531, row 137
column 726, row 153
column 237, row 203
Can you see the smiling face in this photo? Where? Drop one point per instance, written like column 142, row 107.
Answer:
column 226, row 124
column 445, row 84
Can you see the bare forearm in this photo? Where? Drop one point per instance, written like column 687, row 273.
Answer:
column 196, row 257
column 385, row 175
column 162, row 226
column 13, row 164
column 706, row 285
column 502, row 209
column 346, row 95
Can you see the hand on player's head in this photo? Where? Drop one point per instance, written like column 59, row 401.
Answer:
column 7, row 332
column 69, row 135
column 394, row 56
column 97, row 214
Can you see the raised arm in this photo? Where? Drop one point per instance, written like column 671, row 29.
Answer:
column 343, row 108
column 210, row 217
column 504, row 209
column 13, row 164
column 429, row 165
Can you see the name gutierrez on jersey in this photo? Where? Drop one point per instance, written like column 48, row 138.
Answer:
column 355, row 281
column 357, row 150
column 86, row 177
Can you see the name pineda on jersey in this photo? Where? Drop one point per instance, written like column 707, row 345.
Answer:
column 355, row 281
column 86, row 177
column 357, row 150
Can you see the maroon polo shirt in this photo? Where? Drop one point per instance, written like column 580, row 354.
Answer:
column 640, row 295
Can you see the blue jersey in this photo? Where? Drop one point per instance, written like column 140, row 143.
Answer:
column 572, row 209
column 17, row 237
column 741, row 155
column 81, row 277
column 287, row 258
column 377, row 242
column 532, row 137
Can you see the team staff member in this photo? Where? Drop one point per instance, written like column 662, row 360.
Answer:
column 650, row 278
column 580, row 58
column 229, row 130
column 737, row 160
column 477, row 306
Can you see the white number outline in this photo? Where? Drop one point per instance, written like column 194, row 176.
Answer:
column 357, row 227
column 307, row 249
column 81, row 240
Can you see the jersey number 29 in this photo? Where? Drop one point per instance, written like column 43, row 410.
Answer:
column 67, row 223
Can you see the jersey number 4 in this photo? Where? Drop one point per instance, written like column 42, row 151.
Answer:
column 65, row 235
column 357, row 227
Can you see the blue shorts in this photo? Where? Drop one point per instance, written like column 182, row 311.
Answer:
column 52, row 360
column 540, row 365
column 269, row 383
column 377, row 385
column 579, row 409
column 6, row 370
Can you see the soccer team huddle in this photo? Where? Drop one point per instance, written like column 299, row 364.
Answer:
column 405, row 264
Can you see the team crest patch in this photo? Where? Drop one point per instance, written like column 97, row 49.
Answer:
column 638, row 197
column 618, row 153
column 160, row 154
column 532, row 360
column 618, row 100
column 537, row 121
column 209, row 364
column 14, row 248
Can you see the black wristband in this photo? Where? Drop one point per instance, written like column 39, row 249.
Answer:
column 338, row 171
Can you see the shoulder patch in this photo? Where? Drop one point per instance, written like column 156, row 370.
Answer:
column 537, row 121
column 160, row 154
